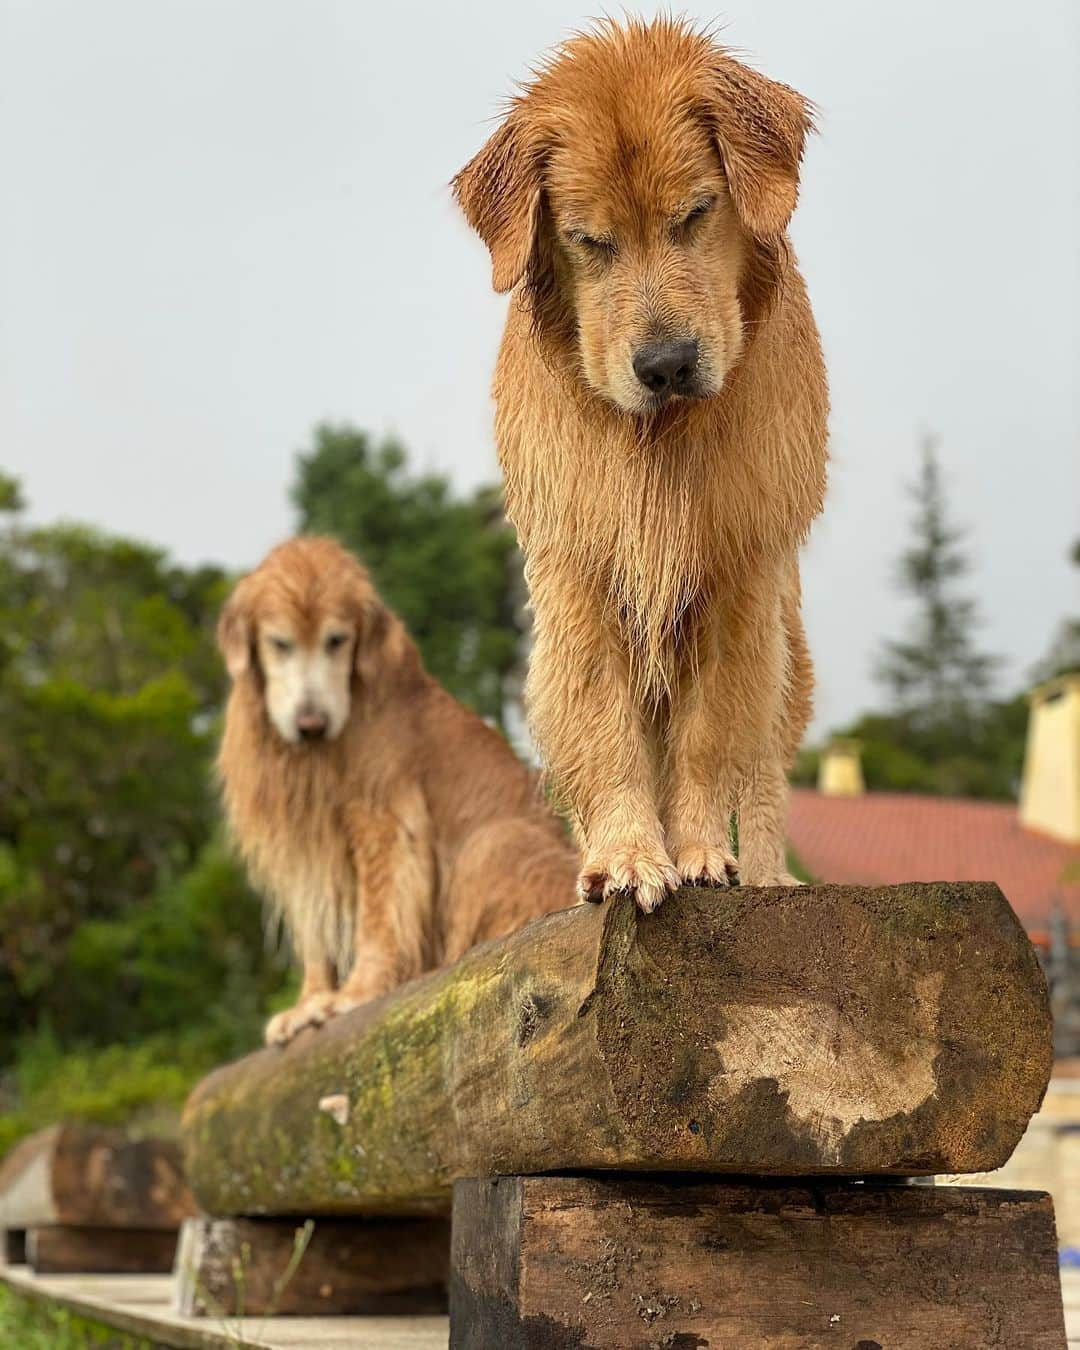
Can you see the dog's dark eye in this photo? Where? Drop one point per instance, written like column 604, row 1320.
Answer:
column 281, row 644
column 598, row 246
column 335, row 641
column 695, row 214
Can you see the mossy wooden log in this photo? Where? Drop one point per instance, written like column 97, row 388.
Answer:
column 822, row 1030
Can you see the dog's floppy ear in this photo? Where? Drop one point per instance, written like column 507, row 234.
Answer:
column 760, row 127
column 382, row 645
column 236, row 631
column 499, row 191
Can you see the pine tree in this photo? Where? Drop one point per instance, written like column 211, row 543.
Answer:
column 938, row 677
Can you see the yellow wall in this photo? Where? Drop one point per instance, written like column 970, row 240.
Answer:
column 840, row 771
column 1050, row 791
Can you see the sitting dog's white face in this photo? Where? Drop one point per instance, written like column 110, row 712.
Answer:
column 309, row 629
column 308, row 678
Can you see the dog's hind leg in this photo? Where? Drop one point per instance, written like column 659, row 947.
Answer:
column 762, row 823
column 508, row 872
column 763, row 796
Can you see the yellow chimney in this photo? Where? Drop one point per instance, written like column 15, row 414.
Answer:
column 1050, row 789
column 840, row 770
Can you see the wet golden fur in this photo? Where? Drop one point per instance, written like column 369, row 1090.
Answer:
column 640, row 189
column 411, row 836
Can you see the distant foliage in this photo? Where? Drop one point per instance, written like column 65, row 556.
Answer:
column 121, row 916
column 448, row 565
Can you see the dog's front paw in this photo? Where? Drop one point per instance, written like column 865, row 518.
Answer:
column 770, row 877
column 707, row 865
column 645, row 873
column 308, row 1012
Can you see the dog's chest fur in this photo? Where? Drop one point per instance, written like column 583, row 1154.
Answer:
column 284, row 812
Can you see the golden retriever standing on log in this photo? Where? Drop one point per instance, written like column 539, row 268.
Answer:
column 388, row 825
column 661, row 411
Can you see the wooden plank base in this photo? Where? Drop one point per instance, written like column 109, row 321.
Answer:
column 66, row 1249
column 253, row 1267
column 540, row 1263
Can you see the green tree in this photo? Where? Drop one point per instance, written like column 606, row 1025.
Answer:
column 447, row 565
column 937, row 676
column 107, row 612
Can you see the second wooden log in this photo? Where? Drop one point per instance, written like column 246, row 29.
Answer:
column 270, row 1267
column 68, row 1249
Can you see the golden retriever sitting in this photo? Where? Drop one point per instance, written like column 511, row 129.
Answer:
column 661, row 420
column 388, row 825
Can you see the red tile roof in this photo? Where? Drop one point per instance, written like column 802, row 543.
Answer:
column 882, row 838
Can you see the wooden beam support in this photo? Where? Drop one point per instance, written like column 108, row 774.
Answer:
column 96, row 1178
column 833, row 1029
column 67, row 1249
column 633, row 1264
column 266, row 1267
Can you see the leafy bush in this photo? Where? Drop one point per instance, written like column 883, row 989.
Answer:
column 139, row 1085
column 27, row 1324
column 196, row 953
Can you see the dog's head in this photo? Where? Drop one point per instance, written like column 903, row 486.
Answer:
column 308, row 626
column 634, row 186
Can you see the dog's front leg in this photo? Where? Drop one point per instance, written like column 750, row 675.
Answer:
column 395, row 885
column 593, row 739
column 723, row 719
column 312, row 1006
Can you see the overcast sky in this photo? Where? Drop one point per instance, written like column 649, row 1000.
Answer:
column 224, row 220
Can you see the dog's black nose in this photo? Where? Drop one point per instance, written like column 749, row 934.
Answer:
column 312, row 725
column 666, row 367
